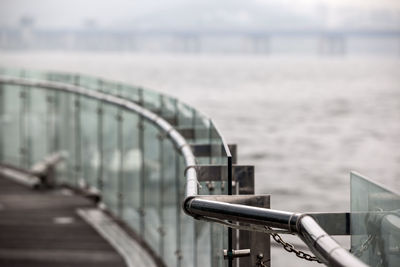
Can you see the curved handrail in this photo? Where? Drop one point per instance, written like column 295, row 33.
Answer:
column 322, row 244
column 175, row 136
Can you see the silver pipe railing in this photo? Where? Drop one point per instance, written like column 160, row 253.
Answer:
column 321, row 244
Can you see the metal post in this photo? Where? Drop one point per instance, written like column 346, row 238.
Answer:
column 22, row 127
column 77, row 135
column 78, row 143
column 48, row 122
column 48, row 115
column 57, row 121
column 28, row 127
column 66, row 135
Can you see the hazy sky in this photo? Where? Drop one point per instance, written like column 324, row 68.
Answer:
column 184, row 14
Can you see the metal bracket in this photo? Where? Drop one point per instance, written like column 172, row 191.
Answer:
column 45, row 170
column 257, row 243
column 242, row 176
column 205, row 150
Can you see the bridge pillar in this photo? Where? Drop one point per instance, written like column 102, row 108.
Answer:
column 332, row 45
column 261, row 45
column 191, row 44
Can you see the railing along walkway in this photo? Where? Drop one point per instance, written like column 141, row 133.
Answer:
column 183, row 235
column 42, row 228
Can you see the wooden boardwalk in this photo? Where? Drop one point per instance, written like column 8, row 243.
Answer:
column 42, row 228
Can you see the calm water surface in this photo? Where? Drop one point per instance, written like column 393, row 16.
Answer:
column 304, row 123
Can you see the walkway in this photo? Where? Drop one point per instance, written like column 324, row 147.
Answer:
column 42, row 228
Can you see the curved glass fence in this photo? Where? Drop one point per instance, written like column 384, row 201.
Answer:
column 131, row 162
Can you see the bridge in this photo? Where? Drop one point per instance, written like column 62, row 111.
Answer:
column 323, row 41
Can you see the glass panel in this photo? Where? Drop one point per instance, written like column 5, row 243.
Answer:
column 219, row 233
column 35, row 125
column 152, row 185
column 10, row 124
column 217, row 153
column 130, row 92
column 203, row 243
column 110, row 87
column 10, row 72
column 152, row 101
column 170, row 204
column 111, row 157
column 52, row 120
column 169, row 109
column 32, row 74
column 65, row 170
column 24, row 127
column 202, row 129
column 61, row 77
column 2, row 122
column 185, row 116
column 89, row 141
column 76, row 150
column 188, row 244
column 89, row 82
column 132, row 164
column 219, row 238
column 375, row 223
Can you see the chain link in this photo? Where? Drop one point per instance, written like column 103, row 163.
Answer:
column 275, row 235
column 364, row 246
column 262, row 263
column 290, row 248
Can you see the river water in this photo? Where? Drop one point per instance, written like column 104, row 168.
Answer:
column 304, row 122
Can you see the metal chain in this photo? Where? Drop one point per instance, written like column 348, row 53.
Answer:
column 290, row 248
column 364, row 246
column 275, row 235
column 260, row 262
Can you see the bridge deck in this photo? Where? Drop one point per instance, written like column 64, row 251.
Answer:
column 42, row 228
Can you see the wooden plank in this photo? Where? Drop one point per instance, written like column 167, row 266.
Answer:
column 41, row 228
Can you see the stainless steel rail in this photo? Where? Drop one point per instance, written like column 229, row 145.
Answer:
column 322, row 245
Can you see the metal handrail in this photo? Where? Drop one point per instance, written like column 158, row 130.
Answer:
column 322, row 244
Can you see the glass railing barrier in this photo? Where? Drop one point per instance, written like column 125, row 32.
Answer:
column 130, row 161
column 375, row 222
